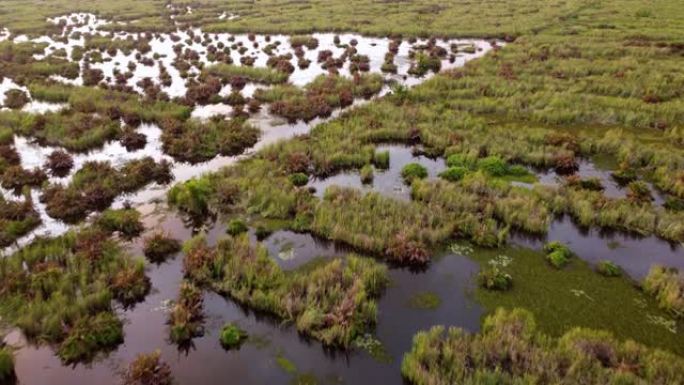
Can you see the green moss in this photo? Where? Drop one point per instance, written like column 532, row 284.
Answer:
column 425, row 301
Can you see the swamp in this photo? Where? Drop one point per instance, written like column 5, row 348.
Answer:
column 411, row 192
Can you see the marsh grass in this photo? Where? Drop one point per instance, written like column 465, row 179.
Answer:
column 332, row 302
column 60, row 290
column 511, row 348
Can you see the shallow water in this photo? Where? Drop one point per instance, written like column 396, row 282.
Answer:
column 634, row 254
column 386, row 182
column 449, row 277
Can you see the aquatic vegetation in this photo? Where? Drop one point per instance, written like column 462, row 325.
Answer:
column 608, row 269
column 231, row 336
column 399, row 231
column 366, row 174
column 191, row 197
column 60, row 291
column 148, row 369
column 7, row 374
column 90, row 335
column 186, row 320
column 16, row 177
column 319, row 97
column 425, row 301
column 510, row 348
column 667, row 286
column 159, row 246
column 576, row 296
column 194, row 141
column 332, row 302
column 59, row 163
column 252, row 74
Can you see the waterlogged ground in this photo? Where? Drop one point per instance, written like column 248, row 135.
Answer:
column 162, row 54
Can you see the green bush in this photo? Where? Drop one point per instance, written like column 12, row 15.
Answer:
column 299, row 179
column 232, row 336
column 460, row 160
column 236, row 226
column 493, row 278
column 493, row 165
column 608, row 269
column 557, row 254
column 413, row 171
column 453, row 173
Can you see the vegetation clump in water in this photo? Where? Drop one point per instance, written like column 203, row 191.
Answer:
column 232, row 336
column 148, row 369
column 159, row 246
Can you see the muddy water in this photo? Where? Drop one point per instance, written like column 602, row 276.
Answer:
column 449, row 277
